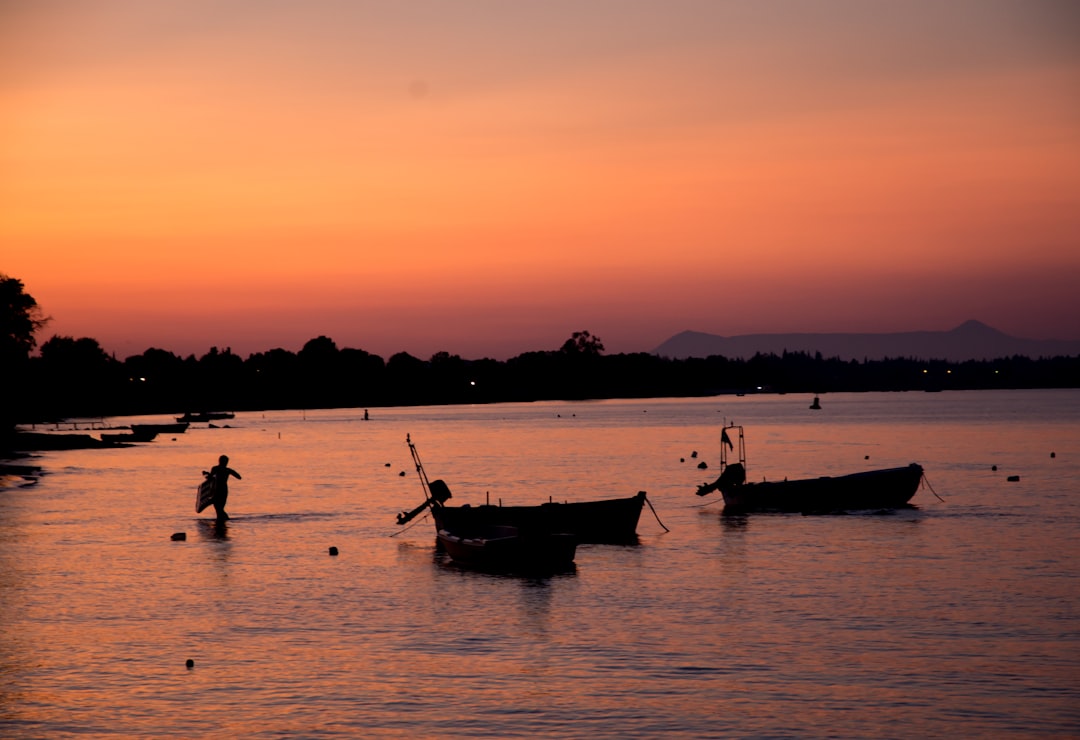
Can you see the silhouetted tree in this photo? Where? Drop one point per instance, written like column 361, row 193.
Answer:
column 78, row 378
column 407, row 378
column 20, row 319
column 582, row 343
column 158, row 380
column 221, row 379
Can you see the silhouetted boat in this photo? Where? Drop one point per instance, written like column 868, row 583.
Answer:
column 206, row 416
column 123, row 437
column 886, row 488
column 612, row 521
column 150, row 429
column 509, row 549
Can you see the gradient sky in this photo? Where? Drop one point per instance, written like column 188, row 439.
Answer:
column 487, row 177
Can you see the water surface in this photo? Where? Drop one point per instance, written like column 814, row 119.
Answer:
column 955, row 617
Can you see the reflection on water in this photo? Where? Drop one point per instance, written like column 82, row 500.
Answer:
column 953, row 617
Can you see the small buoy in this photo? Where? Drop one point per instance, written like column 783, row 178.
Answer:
column 682, row 459
column 333, row 551
column 693, row 454
column 866, row 457
column 179, row 536
column 190, row 663
column 402, row 473
column 702, row 465
column 387, row 464
column 1013, row 478
column 1053, row 455
column 993, row 467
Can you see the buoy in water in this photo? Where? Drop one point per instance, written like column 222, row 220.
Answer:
column 190, row 663
column 178, row 536
column 333, row 551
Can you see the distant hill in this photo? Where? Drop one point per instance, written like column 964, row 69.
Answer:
column 972, row 340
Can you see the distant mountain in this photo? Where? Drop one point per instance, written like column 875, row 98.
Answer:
column 972, row 340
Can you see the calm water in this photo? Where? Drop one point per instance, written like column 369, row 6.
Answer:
column 954, row 618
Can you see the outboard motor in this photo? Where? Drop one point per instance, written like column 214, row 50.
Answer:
column 440, row 492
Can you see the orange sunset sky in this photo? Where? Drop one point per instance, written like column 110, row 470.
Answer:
column 487, row 177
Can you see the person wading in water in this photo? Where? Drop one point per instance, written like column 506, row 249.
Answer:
column 220, row 473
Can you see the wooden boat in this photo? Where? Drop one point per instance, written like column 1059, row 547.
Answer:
column 886, row 488
column 611, row 521
column 125, row 437
column 509, row 549
column 206, row 416
column 148, row 429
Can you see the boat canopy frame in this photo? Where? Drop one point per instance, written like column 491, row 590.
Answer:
column 728, row 448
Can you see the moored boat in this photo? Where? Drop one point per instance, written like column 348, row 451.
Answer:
column 204, row 416
column 885, row 488
column 608, row 521
column 125, row 437
column 151, row 429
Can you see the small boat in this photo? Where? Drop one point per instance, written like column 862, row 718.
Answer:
column 205, row 416
column 509, row 549
column 151, row 429
column 608, row 521
column 886, row 488
column 125, row 437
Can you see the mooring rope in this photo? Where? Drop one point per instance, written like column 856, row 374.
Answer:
column 927, row 482
column 655, row 514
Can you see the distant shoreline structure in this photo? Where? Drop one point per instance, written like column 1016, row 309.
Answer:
column 972, row 340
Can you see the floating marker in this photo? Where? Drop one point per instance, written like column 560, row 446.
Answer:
column 190, row 663
column 333, row 551
column 178, row 536
column 1013, row 478
column 702, row 465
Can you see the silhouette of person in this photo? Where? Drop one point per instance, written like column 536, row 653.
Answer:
column 220, row 473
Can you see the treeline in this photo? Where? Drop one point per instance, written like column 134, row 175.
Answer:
column 76, row 378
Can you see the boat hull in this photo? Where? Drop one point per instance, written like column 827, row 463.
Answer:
column 207, row 416
column 148, row 430
column 509, row 549
column 610, row 521
column 888, row 488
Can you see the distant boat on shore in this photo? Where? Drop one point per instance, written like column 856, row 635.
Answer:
column 205, row 416
column 151, row 429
